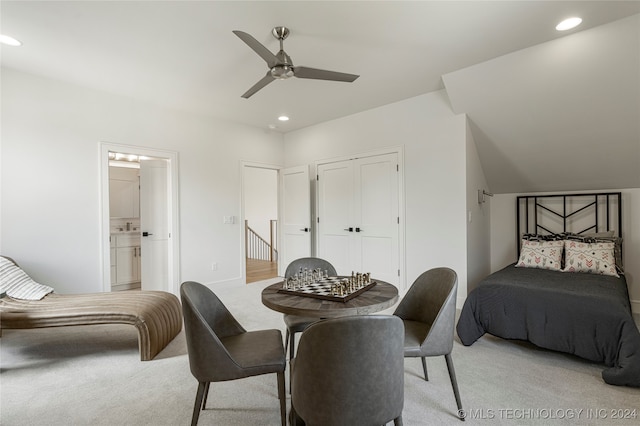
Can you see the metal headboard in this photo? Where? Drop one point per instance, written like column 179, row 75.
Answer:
column 577, row 213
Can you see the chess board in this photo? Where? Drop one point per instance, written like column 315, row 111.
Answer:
column 322, row 290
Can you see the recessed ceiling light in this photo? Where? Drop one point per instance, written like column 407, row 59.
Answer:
column 9, row 41
column 569, row 23
column 283, row 118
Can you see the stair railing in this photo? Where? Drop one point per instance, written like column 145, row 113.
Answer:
column 257, row 247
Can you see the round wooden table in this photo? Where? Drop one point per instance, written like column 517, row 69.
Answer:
column 377, row 298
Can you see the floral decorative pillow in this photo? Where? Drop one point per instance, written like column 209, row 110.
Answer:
column 541, row 255
column 593, row 258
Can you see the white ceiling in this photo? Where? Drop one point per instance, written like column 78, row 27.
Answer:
column 183, row 54
column 561, row 116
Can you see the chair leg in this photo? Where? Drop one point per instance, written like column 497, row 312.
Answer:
column 454, row 384
column 286, row 341
column 282, row 397
column 198, row 404
column 206, row 395
column 424, row 368
column 397, row 421
column 292, row 343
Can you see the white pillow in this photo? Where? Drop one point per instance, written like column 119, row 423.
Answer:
column 593, row 258
column 17, row 284
column 541, row 255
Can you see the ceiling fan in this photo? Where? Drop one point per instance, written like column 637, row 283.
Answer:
column 280, row 65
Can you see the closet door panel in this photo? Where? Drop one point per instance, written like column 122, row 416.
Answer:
column 358, row 216
column 377, row 256
column 335, row 196
column 376, row 208
column 337, row 250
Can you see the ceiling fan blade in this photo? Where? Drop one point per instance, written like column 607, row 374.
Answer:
column 317, row 74
column 257, row 47
column 259, row 85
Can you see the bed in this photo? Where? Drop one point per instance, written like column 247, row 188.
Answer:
column 563, row 302
column 156, row 315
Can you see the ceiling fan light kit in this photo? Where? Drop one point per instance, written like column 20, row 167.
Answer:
column 282, row 72
column 281, row 66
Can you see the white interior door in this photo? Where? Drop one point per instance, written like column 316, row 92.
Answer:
column 376, row 216
column 295, row 215
column 154, row 224
column 335, row 212
column 358, row 211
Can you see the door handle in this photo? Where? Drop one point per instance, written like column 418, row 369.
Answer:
column 305, row 229
column 146, row 234
column 359, row 230
column 349, row 229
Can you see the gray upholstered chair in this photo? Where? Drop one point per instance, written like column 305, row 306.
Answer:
column 428, row 311
column 349, row 371
column 221, row 349
column 296, row 324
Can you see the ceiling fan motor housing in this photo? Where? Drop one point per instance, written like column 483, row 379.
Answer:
column 284, row 68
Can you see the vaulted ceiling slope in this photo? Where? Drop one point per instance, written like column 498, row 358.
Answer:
column 538, row 99
column 560, row 116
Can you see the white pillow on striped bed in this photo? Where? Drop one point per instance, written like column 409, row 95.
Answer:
column 17, row 284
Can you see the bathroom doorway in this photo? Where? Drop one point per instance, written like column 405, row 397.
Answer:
column 142, row 247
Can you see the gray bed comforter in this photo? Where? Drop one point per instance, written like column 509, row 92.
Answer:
column 583, row 314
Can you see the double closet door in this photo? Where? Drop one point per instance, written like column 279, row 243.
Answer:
column 358, row 216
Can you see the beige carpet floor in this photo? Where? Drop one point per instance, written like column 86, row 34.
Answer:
column 92, row 375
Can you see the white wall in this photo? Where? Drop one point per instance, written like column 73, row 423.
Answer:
column 434, row 141
column 504, row 244
column 50, row 177
column 478, row 218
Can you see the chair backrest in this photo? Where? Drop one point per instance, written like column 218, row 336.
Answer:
column 309, row 263
column 206, row 321
column 350, row 371
column 432, row 300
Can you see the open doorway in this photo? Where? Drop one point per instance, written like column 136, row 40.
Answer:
column 124, row 221
column 139, row 221
column 260, row 200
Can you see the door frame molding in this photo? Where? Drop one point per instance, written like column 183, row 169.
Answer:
column 174, row 245
column 399, row 150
